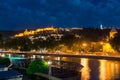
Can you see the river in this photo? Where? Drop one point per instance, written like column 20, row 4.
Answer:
column 97, row 69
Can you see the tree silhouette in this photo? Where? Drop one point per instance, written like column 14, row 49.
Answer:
column 115, row 42
column 69, row 40
column 21, row 43
column 1, row 40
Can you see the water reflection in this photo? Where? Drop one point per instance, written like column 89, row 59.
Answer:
column 100, row 69
column 109, row 70
column 94, row 69
column 86, row 70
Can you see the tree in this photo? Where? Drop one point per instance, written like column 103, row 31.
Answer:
column 69, row 40
column 37, row 66
column 1, row 37
column 115, row 42
column 4, row 61
column 1, row 40
column 37, row 43
column 21, row 43
column 51, row 42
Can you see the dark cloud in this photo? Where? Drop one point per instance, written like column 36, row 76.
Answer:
column 22, row 14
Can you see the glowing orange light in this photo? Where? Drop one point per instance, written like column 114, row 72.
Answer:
column 84, row 44
column 101, row 43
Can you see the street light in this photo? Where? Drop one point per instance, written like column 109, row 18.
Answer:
column 84, row 46
column 50, row 73
column 42, row 57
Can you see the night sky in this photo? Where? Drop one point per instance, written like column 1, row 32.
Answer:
column 32, row 14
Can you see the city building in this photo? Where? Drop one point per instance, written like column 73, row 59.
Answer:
column 107, row 47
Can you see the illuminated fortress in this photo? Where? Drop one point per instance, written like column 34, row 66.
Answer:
column 32, row 32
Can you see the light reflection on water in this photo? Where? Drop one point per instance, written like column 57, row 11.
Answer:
column 85, row 75
column 109, row 70
column 98, row 69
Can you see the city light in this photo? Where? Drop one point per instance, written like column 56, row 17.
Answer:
column 32, row 32
column 84, row 44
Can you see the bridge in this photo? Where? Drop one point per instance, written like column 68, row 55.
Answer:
column 83, row 55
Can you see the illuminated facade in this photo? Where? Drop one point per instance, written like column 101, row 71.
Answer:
column 33, row 32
